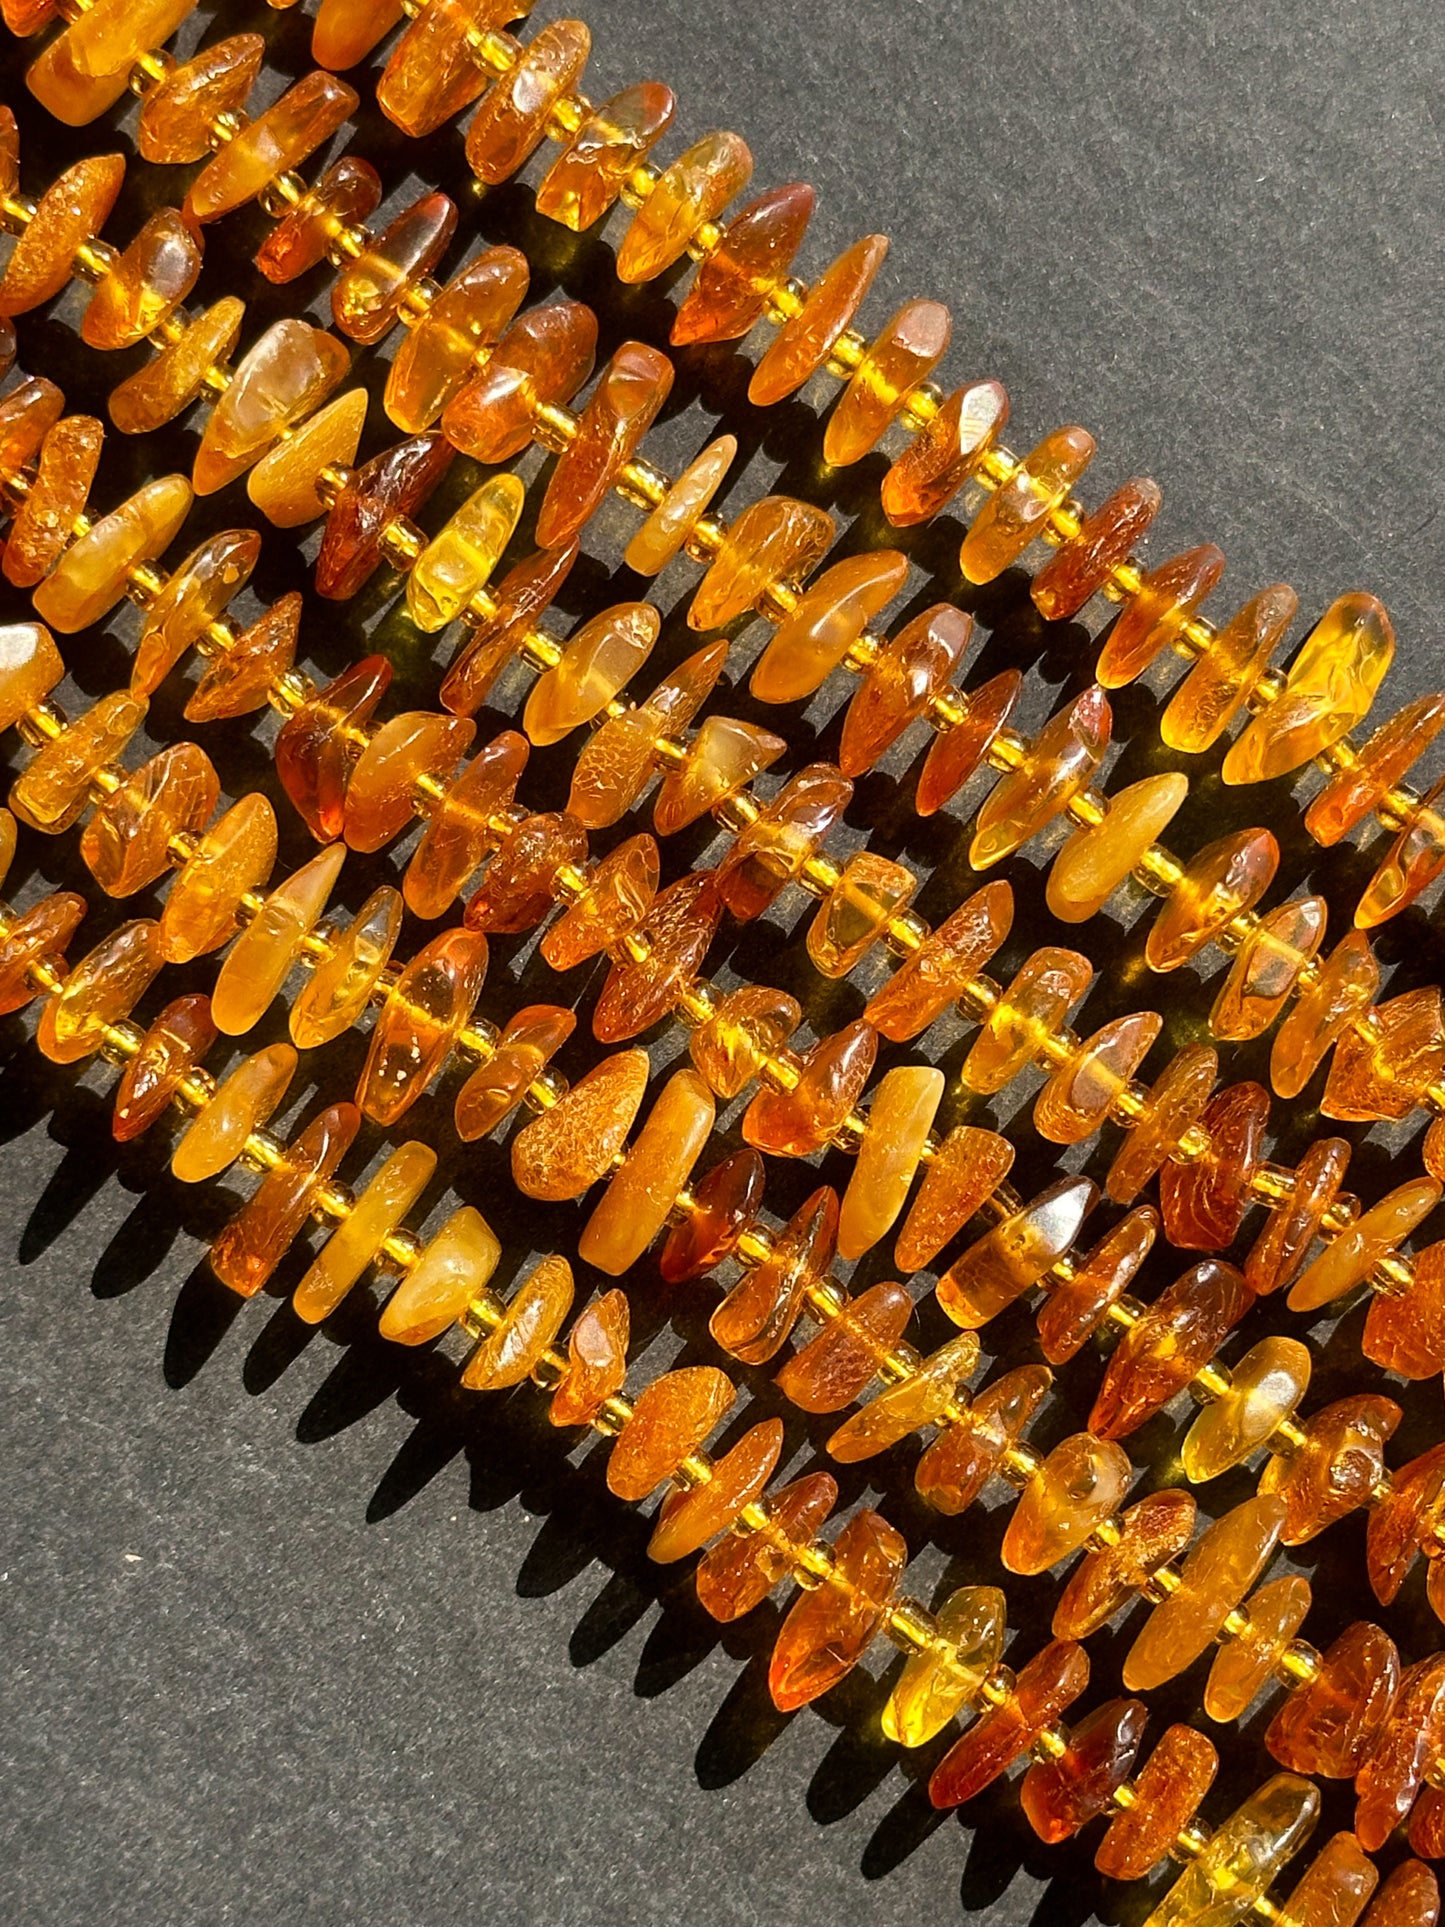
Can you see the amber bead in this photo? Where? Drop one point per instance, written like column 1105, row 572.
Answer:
column 670, row 1418
column 1243, row 1856
column 1176, row 1101
column 935, row 1684
column 1385, row 1070
column 620, row 891
column 736, row 278
column 127, row 842
column 1050, row 1683
column 544, row 356
column 677, row 930
column 258, row 963
column 1047, row 985
column 1427, row 1824
column 1266, row 1387
column 1348, row 980
column 722, row 759
column 458, row 835
column 460, row 328
column 512, row 120
column 829, row 618
column 1410, row 1897
column 345, row 195
column 1174, row 1779
column 261, row 1233
column 1062, row 1795
column 694, row 189
column 1393, row 1771
column 928, row 1396
column 1352, row 793
column 900, row 682
column 1076, row 1307
column 451, row 1271
column 1151, row 1533
column 1225, row 1562
column 518, row 600
column 531, row 1038
column 1204, row 1203
column 669, row 526
column 1179, row 1333
column 1015, row 1254
column 1266, row 968
column 175, row 116
column 1077, row 1098
column 830, row 1628
column 598, row 662
column 902, row 1114
column 164, row 388
column 832, row 1369
column 146, row 285
column 287, row 373
column 559, row 1154
column 291, row 128
column 516, row 891
column 83, row 70
column 1079, row 1485
column 966, row 1455
column 750, row 1025
column 319, row 745
column 99, row 991
column 54, row 787
column 1221, row 880
column 245, row 1099
column 1216, row 688
column 41, row 932
column 1011, row 517
column 93, row 573
column 633, row 1208
column 235, row 855
column 623, row 406
column 788, row 830
column 69, row 457
column 27, row 415
column 172, row 1047
column 1168, row 596
column 831, row 1076
column 427, row 1009
column 1085, row 563
column 723, row 1205
column 687, row 1520
column 242, row 679
column 1336, row 1468
column 532, row 1319
column 71, row 211
column 1350, row 1258
column 394, row 483
column 1403, row 1524
column 937, row 463
column 1329, row 688
column 366, row 296
column 1405, row 1331
column 285, row 483
column 740, row 1571
column 905, row 353
column 590, row 173
column 1060, row 764
column 341, row 985
column 30, row 667
column 774, row 539
column 805, row 341
column 616, row 766
column 1243, row 1665
column 870, row 892
column 1409, row 866
column 966, row 1168
column 1095, row 861
column 195, row 596
column 596, row 1361
column 379, row 800
column 755, row 1319
column 430, row 74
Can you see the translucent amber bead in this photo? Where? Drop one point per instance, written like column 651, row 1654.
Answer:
column 634, row 1207
column 127, row 842
column 828, row 1630
column 694, row 189
column 1204, row 1203
column 1427, row 1829
column 614, row 139
column 1405, row 1331
column 544, row 356
column 739, row 1572
column 670, row 524
column 937, row 463
column 105, row 986
column 750, row 1025
column 346, row 194
column 1336, row 1468
column 925, row 1397
column 677, row 930
column 1353, row 792
column 687, row 1520
column 1077, row 1098
column 620, row 891
column 27, row 415
column 1347, row 982
column 262, row 955
column 461, row 557
column 626, row 401
column 936, row 1684
column 1060, row 764
column 1094, row 862
column 243, row 678
column 967, row 1168
column 596, row 1361
column 940, row 970
column 797, row 1122
column 1216, row 688
column 773, row 540
column 1225, row 1562
column 1105, row 538
column 736, row 278
column 569, row 1147
column 71, row 211
column 531, row 1038
column 381, row 795
column 518, row 600
column 30, row 667
column 1175, row 1102
column 1243, row 1665
column 1242, row 1858
column 145, row 286
column 110, row 35
column 905, row 353
column 722, row 1207
column 1001, row 1265
column 319, row 745
column 1076, row 1307
column 532, row 1319
column 1266, row 1387
column 1175, row 1778
column 245, row 1100
column 970, row 1450
column 57, row 494
column 195, row 597
column 428, row 1007
column 431, row 74
column 53, row 789
column 1168, row 596
column 458, row 834
column 92, row 574
column 461, row 326
column 831, row 1370
column 172, row 1047
column 597, row 663
column 1151, row 1533
column 788, row 830
column 869, row 893
column 1279, row 1251
column 392, row 485
column 366, row 296
column 452, row 1270
column 1050, row 1683
column 903, row 678
column 1384, row 1069
column 1329, row 688
column 1175, row 1337
column 235, row 855
column 1266, row 968
column 1221, row 880
column 175, row 116
column 898, row 1123
column 289, row 371
column 1387, row 1783
column 1409, row 1898
column 1035, row 1004
column 1409, row 866
column 165, row 387
column 283, row 484
column 70, row 92
column 1404, row 1523
column 341, row 985
column 1011, row 517
column 512, row 120
column 279, row 139
column 722, row 759
column 261, row 1233
column 1353, row 1255
column 1080, row 1484
column 827, row 621
column 671, row 1418
column 1060, row 1796
column 806, row 340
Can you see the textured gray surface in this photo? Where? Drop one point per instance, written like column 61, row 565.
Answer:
column 289, row 1631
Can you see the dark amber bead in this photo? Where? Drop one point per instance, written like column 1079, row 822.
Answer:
column 724, row 1203
column 319, row 746
column 1050, row 1683
column 1059, row 1796
column 394, row 483
column 677, row 931
column 755, row 1320
column 1180, row 1332
column 1204, row 1203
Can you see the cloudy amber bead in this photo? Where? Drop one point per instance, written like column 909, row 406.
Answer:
column 971, row 1448
column 1095, row 861
column 1383, row 1070
column 687, row 1520
column 1158, row 1355
column 27, row 415
column 1204, row 1203
column 459, row 330
column 722, row 1207
column 458, row 836
column 1346, row 985
column 805, row 341
column 176, row 115
column 870, row 892
column 905, row 353
column 244, row 1101
column 797, row 1122
column 1016, row 1253
column 1220, row 881
column 750, row 1025
column 1244, row 1664
column 235, row 855
column 570, row 1146
column 937, row 462
column 693, row 189
column 670, row 525
column 1225, row 1562
column 596, row 665
column 162, row 389
column 284, row 483
column 195, row 596
column 532, row 1319
column 1079, row 1485
column 92, row 575
column 596, row 1361
column 1050, row 1683
column 1266, row 1386
column 258, row 962
column 634, row 1207
column 1016, row 512
column 1337, row 1466
column 543, row 357
column 755, row 1319
column 52, row 790
column 830, row 1628
column 70, row 212
column 58, row 491
column 1059, row 1796
column 345, row 195
column 732, row 285
column 127, row 842
column 294, row 126
column 898, row 1124
column 1151, row 1532
column 1075, row 1307
column 452, row 1269
column 1059, row 765
column 512, row 119
column 904, row 676
column 613, row 140
column 739, row 1572
column 287, row 373
column 262, row 1231
column 1168, row 1790
column 100, row 990
column 1266, row 968
column 936, row 1684
column 394, row 484
column 829, row 618
column 670, row 1418
column 775, row 539
column 1167, row 598
column 832, row 1369
column 1329, row 687
column 30, row 667
column 1087, row 560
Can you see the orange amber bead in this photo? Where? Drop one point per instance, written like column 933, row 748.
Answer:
column 559, row 1154
column 805, row 341
column 826, row 623
column 797, row 1122
column 234, row 856
column 1216, row 688
column 755, row 1319
column 1409, row 1898
column 461, row 326
column 740, row 1571
column 291, row 128
column 394, row 483
column 145, row 286
column 1079, row 1485
column 1060, row 764
column 544, row 356
column 450, row 1273
column 191, row 601
column 1011, row 517
column 751, row 1024
column 645, row 1186
column 966, row 1455
column 1204, row 1203
column 261, row 1233
column 458, row 834
column 631, row 391
column 677, row 930
column 343, row 983
column 904, row 354
column 175, row 116
column 1062, row 1795
column 1405, row 1331
column 45, row 522
column 54, row 788
column 164, row 388
column 724, row 1204
column 1048, row 984
column 104, row 987
column 518, row 600
column 379, row 797
column 829, row 1629
column 687, row 1520
column 694, row 189
column 93, row 573
column 1392, row 1774
column 1221, row 880
column 1168, row 596
column 788, row 830
column 774, row 539
column 902, row 679
column 1350, row 1257
column 318, row 746
column 967, row 1167
column 1266, row 968
column 1075, row 1308
column 937, row 463
column 242, row 679
column 71, row 211
column 1175, row 1778
column 620, row 891
column 597, row 663
column 1384, row 1070
column 516, row 891
column 1347, row 982
column 1336, row 1468
column 127, row 842
column 344, row 196
column 1046, row 1687
column 830, row 1371
column 926, row 1397
column 1077, row 1098
column 1329, row 687
column 614, row 139
column 671, row 1418
column 870, row 892
column 428, row 1007
column 1001, row 1265
column 531, row 1039
column 736, row 278
column 27, row 414
column 1085, row 563
column 1096, row 859
column 902, row 1114
column 1225, row 1562
column 512, row 120
column 1180, row 1332
column 525, row 1330
column 285, row 375
column 431, row 74
column 1352, row 793
column 366, row 296
column 1150, row 1534
column 1175, row 1103
column 596, row 1361
column 1280, row 1249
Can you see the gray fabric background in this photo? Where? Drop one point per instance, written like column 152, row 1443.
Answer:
column 288, row 1631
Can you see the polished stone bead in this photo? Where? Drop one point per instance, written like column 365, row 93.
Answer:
column 930, row 1393
column 531, row 1320
column 426, row 1010
column 1279, row 1251
column 1383, row 1071
column 544, row 357
column 937, row 1684
column 195, row 597
column 1175, row 1103
column 244, row 1101
column 1016, row 1253
column 830, row 1628
column 1204, row 1203
column 285, row 484
column 127, row 842
column 787, row 832
column 1076, row 1307
column 92, row 575
column 1015, row 513
column 613, row 140
column 1243, row 1665
column 722, row 759
column 145, row 286
column 1336, row 1468
column 671, row 1418
column 54, row 788
column 1077, row 1098
column 242, row 679
column 381, row 795
column 1174, row 1779
column 1266, row 968
column 395, row 483
column 366, row 296
column 829, row 618
column 451, row 1271
column 732, row 286
column 1080, row 1484
column 1059, row 765
column 235, row 855
column 1168, row 597
column 348, row 193
column 569, row 1147
column 517, row 890
column 775, row 539
column 1347, row 982
column 904, row 676
column 944, row 964
column 620, row 892
column 870, row 892
column 1351, row 793
column 669, row 526
column 1060, row 1796
column 101, row 990
column 624, row 404
column 341, row 985
column 687, row 1520
column 518, row 601
column 1350, row 1258
column 460, row 329
column 754, row 1321
column 693, row 190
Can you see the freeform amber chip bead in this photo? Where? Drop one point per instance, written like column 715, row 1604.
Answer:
column 512, row 119
column 870, row 892
column 261, row 1233
column 1173, row 1781
column 127, row 842
column 259, row 960
column 1151, row 1532
column 1267, row 967
column 291, row 128
column 1243, row 1855
column 1224, row 1563
column 431, row 75
column 832, row 1369
column 444, row 581
column 937, row 463
column 1076, row 1307
column 1392, row 1774
column 1080, row 1484
column 195, row 597
column 597, row 663
column 633, row 1208
column 1336, row 1468
column 694, row 189
column 27, row 415
column 1280, row 1250
column 750, row 1025
column 1062, row 1795
column 426, row 1010
column 774, row 539
column 30, row 667
column 687, row 1520
column 1015, row 1253
column 927, row 1397
column 903, row 678
column 145, row 286
column 72, row 210
column 452, row 1269
column 670, row 1418
column 829, row 1629
column 620, row 891
column 104, row 987
column 905, row 353
column 175, row 116
column 1328, row 688
column 596, row 1361
column 319, row 744
column 1080, row 1094
column 1046, row 1687
column 1085, row 563
column 1352, row 793
column 967, row 1167
column 287, row 373
column 461, row 327
column 342, row 984
column 739, row 1572
column 91, row 576
column 799, row 1121
column 1381, row 1070
column 517, row 601
column 1175, row 1103
column 934, row 1685
column 533, row 1035
column 971, row 1449
column 285, row 483
column 590, row 173
column 69, row 457
column 346, row 194
column 1061, row 763
column 156, row 393
column 394, row 483
column 755, row 1319
column 1095, row 861
column 669, row 526
column 379, row 801
column 1405, row 1331
column 544, row 356
column 1217, row 687
column 1168, row 596
column 829, row 618
column 804, row 342
column 1203, row 1203
column 1266, row 1387
column 458, row 835
column 1375, row 1234
column 242, row 1103
column 724, row 1204
column 1175, row 1337
column 1015, row 513
column 640, row 991
column 532, row 1319
column 1226, row 877
column 559, row 1154
column 1242, row 1666
column 1344, row 988
column 172, row 1047
column 366, row 296
column 53, row 789
column 736, row 278
column 788, row 831
column 235, row 855
column 899, row 1121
